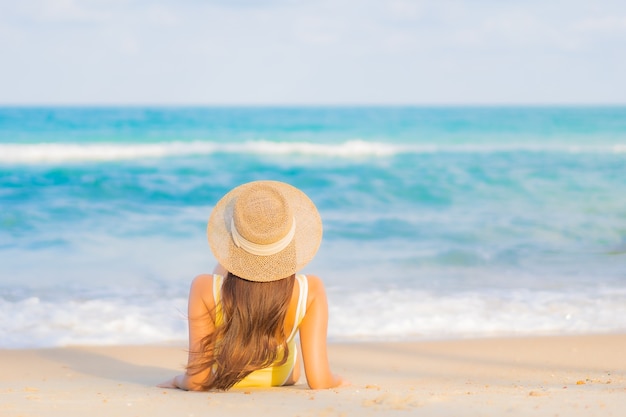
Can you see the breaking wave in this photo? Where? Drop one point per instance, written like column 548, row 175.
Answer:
column 73, row 152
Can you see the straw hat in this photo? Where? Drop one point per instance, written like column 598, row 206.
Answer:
column 264, row 230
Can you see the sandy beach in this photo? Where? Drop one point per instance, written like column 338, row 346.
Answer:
column 547, row 376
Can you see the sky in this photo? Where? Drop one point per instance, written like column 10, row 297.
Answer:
column 308, row 52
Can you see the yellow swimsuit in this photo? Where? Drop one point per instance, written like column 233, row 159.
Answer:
column 272, row 376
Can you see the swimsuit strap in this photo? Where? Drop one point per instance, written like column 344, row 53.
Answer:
column 303, row 283
column 217, row 297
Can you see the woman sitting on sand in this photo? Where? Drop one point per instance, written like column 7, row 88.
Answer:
column 243, row 319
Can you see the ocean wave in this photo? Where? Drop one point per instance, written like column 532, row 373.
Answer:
column 72, row 152
column 370, row 315
column 410, row 314
column 38, row 322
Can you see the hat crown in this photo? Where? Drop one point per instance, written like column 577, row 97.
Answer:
column 264, row 230
column 262, row 215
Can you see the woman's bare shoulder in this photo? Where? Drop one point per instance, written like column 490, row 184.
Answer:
column 316, row 287
column 201, row 291
column 202, row 281
column 314, row 280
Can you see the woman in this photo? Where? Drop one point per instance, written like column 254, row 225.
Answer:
column 243, row 318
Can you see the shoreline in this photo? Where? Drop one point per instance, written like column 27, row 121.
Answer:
column 544, row 375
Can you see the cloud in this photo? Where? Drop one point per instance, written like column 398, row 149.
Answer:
column 63, row 11
column 325, row 51
column 604, row 25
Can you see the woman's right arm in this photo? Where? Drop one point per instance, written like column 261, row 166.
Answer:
column 313, row 330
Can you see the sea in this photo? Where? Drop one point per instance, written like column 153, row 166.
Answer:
column 439, row 222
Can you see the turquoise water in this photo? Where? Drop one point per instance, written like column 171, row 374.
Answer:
column 439, row 222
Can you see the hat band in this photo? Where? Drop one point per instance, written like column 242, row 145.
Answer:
column 258, row 249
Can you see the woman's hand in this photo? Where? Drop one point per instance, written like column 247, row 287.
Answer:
column 341, row 382
column 173, row 383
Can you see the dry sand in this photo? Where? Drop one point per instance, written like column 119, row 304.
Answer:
column 544, row 376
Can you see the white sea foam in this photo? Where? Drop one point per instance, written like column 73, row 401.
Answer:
column 375, row 315
column 38, row 323
column 401, row 314
column 62, row 152
column 68, row 152
column 11, row 153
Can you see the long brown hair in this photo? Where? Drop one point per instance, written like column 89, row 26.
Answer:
column 251, row 335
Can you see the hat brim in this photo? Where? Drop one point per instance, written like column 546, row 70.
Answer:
column 302, row 249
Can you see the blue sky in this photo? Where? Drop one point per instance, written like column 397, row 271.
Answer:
column 312, row 52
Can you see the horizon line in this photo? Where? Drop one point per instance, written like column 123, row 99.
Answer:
column 308, row 105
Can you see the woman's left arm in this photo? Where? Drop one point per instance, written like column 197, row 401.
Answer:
column 201, row 324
